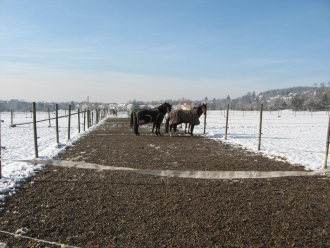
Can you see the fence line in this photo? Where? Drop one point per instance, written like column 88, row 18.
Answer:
column 35, row 121
column 31, row 122
column 88, row 120
column 264, row 121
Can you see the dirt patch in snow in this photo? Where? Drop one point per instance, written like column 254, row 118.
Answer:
column 89, row 208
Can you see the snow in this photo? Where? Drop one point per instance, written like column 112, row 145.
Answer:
column 18, row 143
column 296, row 137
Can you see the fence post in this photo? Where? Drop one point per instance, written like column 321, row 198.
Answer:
column 84, row 119
column 0, row 144
column 96, row 117
column 56, row 121
column 69, row 121
column 88, row 118
column 205, row 120
column 78, row 120
column 327, row 147
column 35, row 130
column 227, row 121
column 11, row 118
column 260, row 124
column 49, row 118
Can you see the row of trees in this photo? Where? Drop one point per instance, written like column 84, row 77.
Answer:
column 294, row 98
column 24, row 106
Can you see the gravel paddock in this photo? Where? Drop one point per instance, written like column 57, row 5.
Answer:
column 90, row 208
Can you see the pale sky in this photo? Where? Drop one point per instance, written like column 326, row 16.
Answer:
column 116, row 51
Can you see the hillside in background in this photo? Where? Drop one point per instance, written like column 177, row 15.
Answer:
column 287, row 91
column 298, row 98
column 302, row 97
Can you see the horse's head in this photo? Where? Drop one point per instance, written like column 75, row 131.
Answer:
column 168, row 107
column 165, row 108
column 204, row 108
column 201, row 109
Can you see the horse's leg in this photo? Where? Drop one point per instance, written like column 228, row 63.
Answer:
column 158, row 129
column 156, row 126
column 192, row 129
column 153, row 127
column 174, row 130
column 171, row 127
column 136, row 124
column 131, row 122
column 167, row 124
column 137, row 129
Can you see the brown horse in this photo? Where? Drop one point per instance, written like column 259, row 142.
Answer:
column 184, row 116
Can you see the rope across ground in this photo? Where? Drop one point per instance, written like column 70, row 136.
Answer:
column 109, row 208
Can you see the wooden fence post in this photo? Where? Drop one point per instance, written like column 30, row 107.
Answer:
column 227, row 121
column 35, row 130
column 327, row 147
column 0, row 145
column 11, row 118
column 69, row 121
column 78, row 120
column 84, row 119
column 49, row 118
column 56, row 121
column 88, row 118
column 205, row 120
column 260, row 124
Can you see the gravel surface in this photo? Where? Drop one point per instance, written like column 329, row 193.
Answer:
column 89, row 208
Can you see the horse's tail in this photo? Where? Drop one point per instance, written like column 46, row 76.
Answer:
column 131, row 122
column 167, row 124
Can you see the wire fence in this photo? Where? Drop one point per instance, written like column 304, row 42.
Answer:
column 263, row 128
column 84, row 120
column 241, row 123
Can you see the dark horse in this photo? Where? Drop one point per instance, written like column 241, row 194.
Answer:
column 184, row 116
column 143, row 116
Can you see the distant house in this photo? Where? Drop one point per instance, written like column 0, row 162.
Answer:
column 187, row 105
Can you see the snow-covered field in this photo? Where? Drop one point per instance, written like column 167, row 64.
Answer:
column 297, row 137
column 18, row 143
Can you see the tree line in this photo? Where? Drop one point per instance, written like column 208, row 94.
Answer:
column 292, row 98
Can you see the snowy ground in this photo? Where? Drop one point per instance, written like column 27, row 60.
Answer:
column 297, row 137
column 18, row 143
